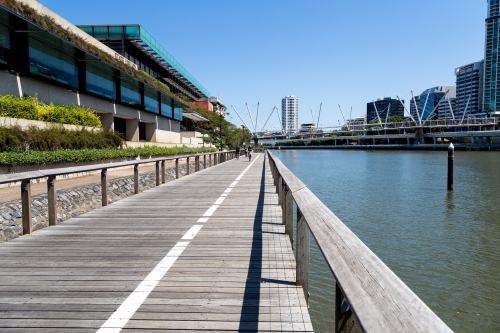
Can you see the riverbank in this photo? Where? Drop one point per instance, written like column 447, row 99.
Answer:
column 458, row 146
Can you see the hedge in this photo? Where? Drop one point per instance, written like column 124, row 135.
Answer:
column 32, row 109
column 85, row 155
column 17, row 140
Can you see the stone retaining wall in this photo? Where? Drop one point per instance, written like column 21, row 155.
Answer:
column 76, row 201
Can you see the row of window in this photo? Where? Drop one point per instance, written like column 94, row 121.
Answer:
column 61, row 67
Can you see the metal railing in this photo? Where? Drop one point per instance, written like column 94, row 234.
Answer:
column 369, row 298
column 26, row 177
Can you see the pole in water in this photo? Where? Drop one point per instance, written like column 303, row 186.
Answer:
column 451, row 153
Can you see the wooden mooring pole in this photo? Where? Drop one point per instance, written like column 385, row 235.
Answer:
column 451, row 153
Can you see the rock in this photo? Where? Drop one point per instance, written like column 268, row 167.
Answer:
column 16, row 214
column 6, row 216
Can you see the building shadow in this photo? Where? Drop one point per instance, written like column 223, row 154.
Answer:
column 249, row 319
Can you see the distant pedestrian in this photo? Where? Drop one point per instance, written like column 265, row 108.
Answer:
column 250, row 153
column 238, row 153
column 246, row 152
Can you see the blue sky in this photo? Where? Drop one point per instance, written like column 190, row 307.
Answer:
column 322, row 51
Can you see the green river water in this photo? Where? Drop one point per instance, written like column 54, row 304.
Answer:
column 444, row 245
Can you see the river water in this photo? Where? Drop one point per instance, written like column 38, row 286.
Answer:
column 444, row 245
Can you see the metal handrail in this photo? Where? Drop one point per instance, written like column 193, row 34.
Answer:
column 369, row 296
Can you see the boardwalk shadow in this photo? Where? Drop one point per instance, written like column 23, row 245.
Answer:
column 249, row 319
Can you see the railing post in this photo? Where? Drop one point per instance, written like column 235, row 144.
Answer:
column 51, row 197
column 176, row 168
column 187, row 165
column 163, row 175
column 216, row 158
column 197, row 161
column 136, row 178
column 303, row 254
column 104, row 187
column 204, row 161
column 345, row 319
column 26, row 206
column 280, row 190
column 157, row 169
column 287, row 211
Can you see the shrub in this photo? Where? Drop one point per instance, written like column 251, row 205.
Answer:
column 17, row 140
column 32, row 109
column 66, row 155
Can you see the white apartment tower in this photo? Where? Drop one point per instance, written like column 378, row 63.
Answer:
column 290, row 114
column 469, row 89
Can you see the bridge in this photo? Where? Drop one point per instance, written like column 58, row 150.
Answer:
column 210, row 251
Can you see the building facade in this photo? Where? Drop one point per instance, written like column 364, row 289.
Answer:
column 290, row 114
column 430, row 101
column 385, row 107
column 129, row 96
column 491, row 93
column 469, row 89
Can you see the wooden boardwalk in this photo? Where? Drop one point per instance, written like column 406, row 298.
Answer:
column 206, row 252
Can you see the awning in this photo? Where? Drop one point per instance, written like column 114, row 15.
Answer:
column 194, row 116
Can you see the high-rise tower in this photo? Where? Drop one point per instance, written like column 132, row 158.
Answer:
column 290, row 114
column 491, row 93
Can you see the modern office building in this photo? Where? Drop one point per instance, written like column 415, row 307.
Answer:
column 136, row 45
column 491, row 91
column 430, row 100
column 290, row 114
column 469, row 89
column 446, row 108
column 135, row 93
column 384, row 108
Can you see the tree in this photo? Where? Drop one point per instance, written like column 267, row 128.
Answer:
column 217, row 127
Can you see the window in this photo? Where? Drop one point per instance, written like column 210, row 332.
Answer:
column 51, row 63
column 151, row 101
column 5, row 52
column 100, row 32
column 166, row 106
column 116, row 32
column 178, row 114
column 100, row 82
column 132, row 32
column 130, row 93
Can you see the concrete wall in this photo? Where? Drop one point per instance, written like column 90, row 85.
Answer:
column 24, row 124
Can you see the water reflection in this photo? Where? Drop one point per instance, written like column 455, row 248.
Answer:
column 444, row 245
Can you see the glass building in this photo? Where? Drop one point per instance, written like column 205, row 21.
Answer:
column 491, row 93
column 35, row 60
column 135, row 44
column 385, row 107
column 429, row 101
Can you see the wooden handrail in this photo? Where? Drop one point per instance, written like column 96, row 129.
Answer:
column 374, row 299
column 26, row 177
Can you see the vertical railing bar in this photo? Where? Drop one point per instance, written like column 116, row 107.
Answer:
column 157, row 170
column 303, row 254
column 176, row 168
column 187, row 165
column 136, row 178
column 104, row 187
column 52, row 200
column 204, row 161
column 26, row 206
column 163, row 174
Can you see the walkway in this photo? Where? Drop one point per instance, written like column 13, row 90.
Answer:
column 206, row 252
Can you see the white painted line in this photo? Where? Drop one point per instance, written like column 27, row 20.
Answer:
column 233, row 184
column 192, row 232
column 211, row 210
column 127, row 309
column 219, row 201
column 122, row 315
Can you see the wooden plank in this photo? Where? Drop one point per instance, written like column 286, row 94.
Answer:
column 238, row 273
